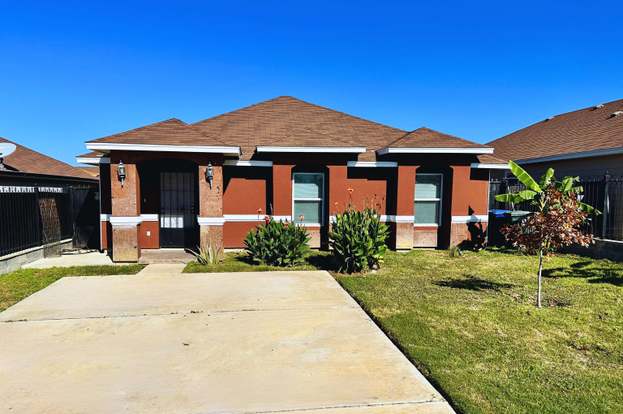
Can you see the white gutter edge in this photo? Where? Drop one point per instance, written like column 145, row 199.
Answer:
column 428, row 150
column 348, row 150
column 106, row 146
column 572, row 156
column 486, row 166
column 250, row 163
column 372, row 164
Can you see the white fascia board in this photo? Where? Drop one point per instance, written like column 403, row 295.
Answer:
column 334, row 150
column 250, row 163
column 474, row 218
column 572, row 156
column 425, row 150
column 92, row 160
column 372, row 164
column 486, row 166
column 107, row 146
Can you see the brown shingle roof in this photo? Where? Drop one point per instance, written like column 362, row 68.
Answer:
column 169, row 132
column 28, row 161
column 428, row 138
column 587, row 129
column 288, row 121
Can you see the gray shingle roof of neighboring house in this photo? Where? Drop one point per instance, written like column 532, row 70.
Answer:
column 596, row 129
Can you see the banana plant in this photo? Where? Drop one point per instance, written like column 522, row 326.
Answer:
column 535, row 191
column 559, row 212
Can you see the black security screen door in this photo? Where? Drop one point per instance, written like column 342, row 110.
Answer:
column 178, row 209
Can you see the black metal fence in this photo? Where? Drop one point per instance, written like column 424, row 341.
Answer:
column 32, row 216
column 605, row 193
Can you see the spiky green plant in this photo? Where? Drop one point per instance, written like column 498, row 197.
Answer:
column 277, row 243
column 357, row 240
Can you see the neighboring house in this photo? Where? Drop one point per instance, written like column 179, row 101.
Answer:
column 587, row 143
column 172, row 184
column 43, row 203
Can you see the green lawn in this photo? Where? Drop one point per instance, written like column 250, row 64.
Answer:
column 17, row 285
column 238, row 262
column 470, row 325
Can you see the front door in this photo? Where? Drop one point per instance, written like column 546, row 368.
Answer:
column 178, row 209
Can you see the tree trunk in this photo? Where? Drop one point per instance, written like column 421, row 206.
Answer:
column 538, row 293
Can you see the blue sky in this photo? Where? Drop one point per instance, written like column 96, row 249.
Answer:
column 74, row 71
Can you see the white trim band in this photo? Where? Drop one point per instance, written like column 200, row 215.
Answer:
column 427, row 150
column 282, row 218
column 107, row 146
column 249, row 163
column 150, row 217
column 387, row 219
column 372, row 164
column 474, row 218
column 243, row 217
column 125, row 221
column 105, row 217
column 93, row 160
column 347, row 150
column 479, row 165
column 210, row 221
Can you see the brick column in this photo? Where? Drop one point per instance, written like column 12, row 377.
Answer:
column 338, row 189
column 405, row 195
column 211, row 207
column 125, row 213
column 282, row 191
column 469, row 204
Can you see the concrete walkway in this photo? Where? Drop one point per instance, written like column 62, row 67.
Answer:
column 162, row 341
column 73, row 259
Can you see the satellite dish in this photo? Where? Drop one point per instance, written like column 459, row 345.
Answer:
column 6, row 148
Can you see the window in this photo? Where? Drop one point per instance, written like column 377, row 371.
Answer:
column 307, row 194
column 428, row 199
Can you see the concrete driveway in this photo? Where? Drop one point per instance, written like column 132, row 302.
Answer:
column 163, row 342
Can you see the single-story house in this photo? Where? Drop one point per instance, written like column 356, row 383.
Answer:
column 586, row 143
column 173, row 184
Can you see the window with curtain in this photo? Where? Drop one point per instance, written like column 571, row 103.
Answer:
column 307, row 193
column 428, row 198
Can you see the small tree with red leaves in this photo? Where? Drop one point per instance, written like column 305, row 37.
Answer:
column 558, row 221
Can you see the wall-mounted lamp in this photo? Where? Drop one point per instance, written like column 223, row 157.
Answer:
column 209, row 174
column 121, row 172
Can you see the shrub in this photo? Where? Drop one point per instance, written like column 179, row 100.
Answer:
column 207, row 255
column 357, row 239
column 277, row 243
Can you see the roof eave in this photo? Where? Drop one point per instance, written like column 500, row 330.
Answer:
column 340, row 150
column 111, row 146
column 573, row 155
column 93, row 160
column 431, row 150
column 489, row 166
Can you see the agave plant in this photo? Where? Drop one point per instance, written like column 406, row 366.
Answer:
column 207, row 255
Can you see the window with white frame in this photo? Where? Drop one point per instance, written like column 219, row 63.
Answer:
column 307, row 196
column 427, row 205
